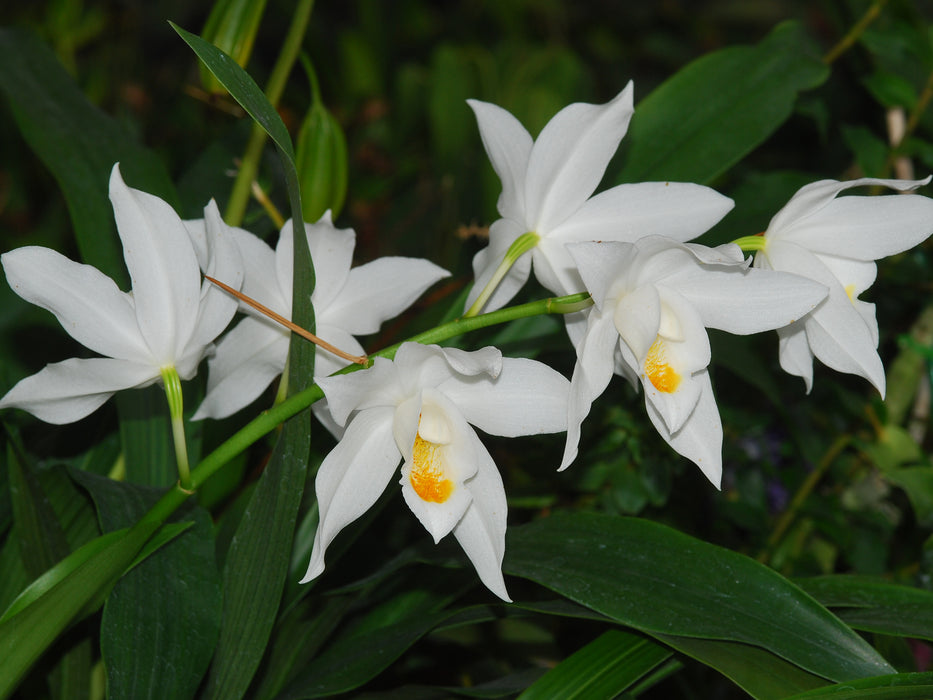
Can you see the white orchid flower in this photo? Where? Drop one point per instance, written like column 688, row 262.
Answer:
column 347, row 302
column 420, row 409
column 835, row 240
column 653, row 301
column 546, row 203
column 167, row 322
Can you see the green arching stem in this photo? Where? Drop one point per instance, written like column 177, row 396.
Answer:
column 249, row 165
column 751, row 244
column 268, row 420
column 173, row 393
column 806, row 488
column 519, row 247
column 871, row 14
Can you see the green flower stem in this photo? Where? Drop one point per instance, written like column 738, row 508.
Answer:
column 519, row 247
column 871, row 14
column 268, row 420
column 806, row 488
column 750, row 244
column 249, row 166
column 176, row 410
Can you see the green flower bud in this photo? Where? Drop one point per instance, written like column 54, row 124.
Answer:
column 321, row 159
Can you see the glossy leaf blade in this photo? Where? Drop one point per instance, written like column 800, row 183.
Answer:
column 898, row 686
column 602, row 669
column 164, row 614
column 874, row 605
column 714, row 111
column 658, row 580
column 761, row 674
column 75, row 586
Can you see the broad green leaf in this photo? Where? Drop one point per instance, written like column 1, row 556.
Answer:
column 758, row 672
column 917, row 482
column 660, row 581
column 40, row 528
column 714, row 111
column 78, row 143
column 602, row 669
column 355, row 659
column 74, row 587
column 899, row 686
column 875, row 605
column 165, row 613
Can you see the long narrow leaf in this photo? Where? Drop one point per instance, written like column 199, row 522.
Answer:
column 257, row 562
column 603, row 668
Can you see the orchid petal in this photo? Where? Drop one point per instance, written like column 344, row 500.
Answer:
column 351, row 478
column 591, row 376
column 65, row 392
column 163, row 267
column 246, row 361
column 602, row 266
column 368, row 388
column 679, row 210
column 794, row 352
column 527, row 398
column 569, row 157
column 502, row 234
column 260, row 275
column 700, row 437
column 750, row 301
column 87, row 303
column 378, row 291
column 508, row 146
column 332, row 254
column 224, row 263
column 481, row 530
column 555, row 269
column 811, row 199
column 326, row 362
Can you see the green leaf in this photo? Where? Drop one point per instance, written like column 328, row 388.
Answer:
column 899, row 686
column 242, row 88
column 602, row 669
column 146, row 437
column 357, row 658
column 759, row 673
column 660, row 581
column 41, row 533
column 73, row 588
column 875, row 605
column 714, row 111
column 165, row 613
column 256, row 564
column 78, row 143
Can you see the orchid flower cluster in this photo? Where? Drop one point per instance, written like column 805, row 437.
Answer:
column 651, row 296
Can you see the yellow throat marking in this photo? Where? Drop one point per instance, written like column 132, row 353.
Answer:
column 427, row 473
column 659, row 372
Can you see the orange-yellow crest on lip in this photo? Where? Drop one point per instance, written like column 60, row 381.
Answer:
column 659, row 372
column 427, row 475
